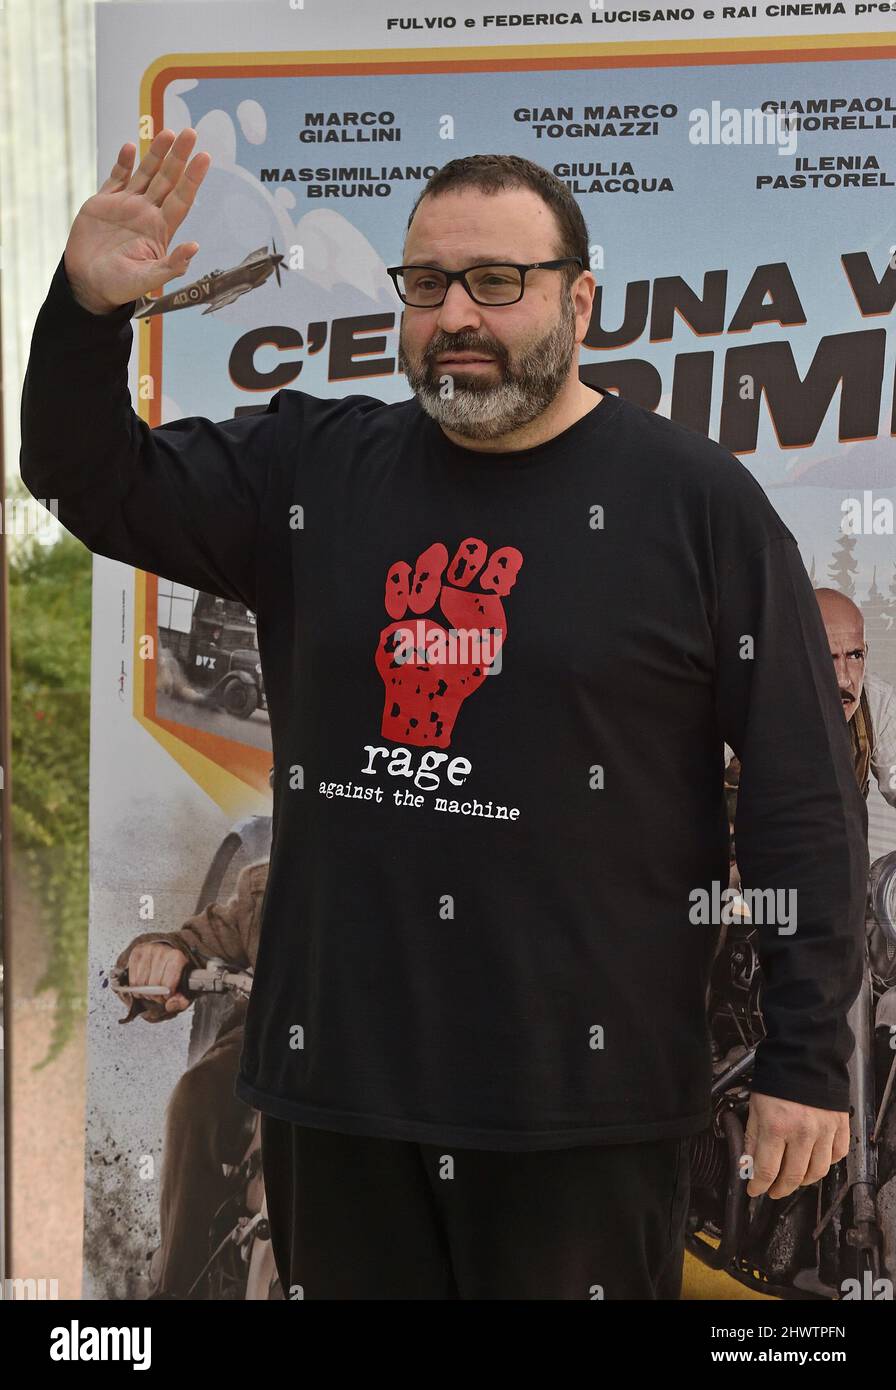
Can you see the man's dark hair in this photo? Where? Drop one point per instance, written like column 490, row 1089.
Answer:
column 493, row 173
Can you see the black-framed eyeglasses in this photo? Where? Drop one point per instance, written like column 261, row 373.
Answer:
column 425, row 286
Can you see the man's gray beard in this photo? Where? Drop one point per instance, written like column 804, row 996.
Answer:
column 479, row 410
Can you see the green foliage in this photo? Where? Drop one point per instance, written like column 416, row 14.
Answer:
column 49, row 609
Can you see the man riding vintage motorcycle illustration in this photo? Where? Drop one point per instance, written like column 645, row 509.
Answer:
column 205, row 1124
column 208, row 1131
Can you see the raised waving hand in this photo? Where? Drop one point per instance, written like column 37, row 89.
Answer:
column 117, row 249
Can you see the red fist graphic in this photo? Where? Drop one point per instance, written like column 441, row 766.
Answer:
column 428, row 669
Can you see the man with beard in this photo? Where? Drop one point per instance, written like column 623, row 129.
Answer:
column 494, row 395
column 478, row 1041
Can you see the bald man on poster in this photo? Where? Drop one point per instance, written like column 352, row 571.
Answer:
column 869, row 702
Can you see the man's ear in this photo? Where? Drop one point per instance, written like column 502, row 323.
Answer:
column 587, row 285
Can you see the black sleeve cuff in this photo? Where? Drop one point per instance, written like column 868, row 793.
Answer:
column 65, row 302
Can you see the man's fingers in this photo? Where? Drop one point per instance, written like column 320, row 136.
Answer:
column 792, row 1145
column 794, row 1166
column 138, row 961
column 121, row 169
column 179, row 259
column 820, row 1160
column 782, row 1165
column 151, row 161
column 155, row 963
column 768, row 1152
column 170, row 967
column 171, row 167
column 180, row 198
column 842, row 1138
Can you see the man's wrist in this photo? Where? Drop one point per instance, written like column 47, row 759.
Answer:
column 98, row 310
column 84, row 300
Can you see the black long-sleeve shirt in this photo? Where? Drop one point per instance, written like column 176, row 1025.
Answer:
column 482, row 923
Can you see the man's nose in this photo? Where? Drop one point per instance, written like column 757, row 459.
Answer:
column 458, row 310
column 843, row 676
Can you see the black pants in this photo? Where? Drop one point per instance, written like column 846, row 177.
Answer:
column 354, row 1217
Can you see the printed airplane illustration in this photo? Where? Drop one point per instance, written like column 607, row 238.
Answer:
column 218, row 287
